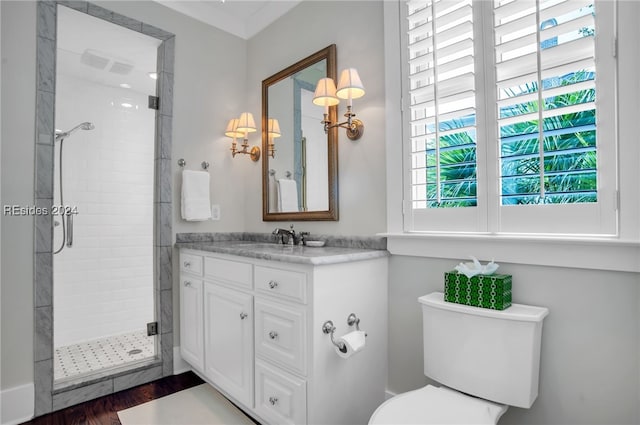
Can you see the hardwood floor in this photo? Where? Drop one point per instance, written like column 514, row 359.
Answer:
column 103, row 411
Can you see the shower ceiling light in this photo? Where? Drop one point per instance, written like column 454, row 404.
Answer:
column 126, row 105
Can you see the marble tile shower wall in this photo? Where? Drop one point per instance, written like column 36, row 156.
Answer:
column 104, row 283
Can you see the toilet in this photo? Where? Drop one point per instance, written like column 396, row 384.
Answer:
column 484, row 361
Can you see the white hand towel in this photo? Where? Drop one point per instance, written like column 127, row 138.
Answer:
column 287, row 195
column 196, row 205
column 273, row 195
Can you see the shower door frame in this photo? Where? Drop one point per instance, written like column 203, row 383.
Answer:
column 47, row 397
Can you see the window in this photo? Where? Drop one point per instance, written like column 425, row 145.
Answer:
column 511, row 116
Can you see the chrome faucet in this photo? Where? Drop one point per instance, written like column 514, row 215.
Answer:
column 290, row 237
column 286, row 236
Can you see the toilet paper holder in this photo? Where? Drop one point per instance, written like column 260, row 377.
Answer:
column 329, row 329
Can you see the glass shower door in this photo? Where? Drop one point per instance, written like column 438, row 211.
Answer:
column 104, row 294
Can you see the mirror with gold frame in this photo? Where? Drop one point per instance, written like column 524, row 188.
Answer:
column 300, row 160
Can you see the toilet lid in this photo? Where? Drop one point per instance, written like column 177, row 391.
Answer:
column 436, row 405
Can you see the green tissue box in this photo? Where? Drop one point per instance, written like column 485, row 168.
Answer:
column 486, row 291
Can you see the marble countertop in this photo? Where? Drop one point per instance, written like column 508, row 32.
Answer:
column 285, row 253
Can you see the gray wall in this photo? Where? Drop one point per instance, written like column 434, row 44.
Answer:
column 356, row 29
column 18, row 115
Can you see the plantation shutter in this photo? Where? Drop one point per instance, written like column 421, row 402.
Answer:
column 502, row 116
column 545, row 71
column 442, row 104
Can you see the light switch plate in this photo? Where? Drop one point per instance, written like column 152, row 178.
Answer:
column 215, row 212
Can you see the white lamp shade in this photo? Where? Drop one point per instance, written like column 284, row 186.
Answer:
column 349, row 85
column 273, row 127
column 325, row 94
column 232, row 129
column 246, row 124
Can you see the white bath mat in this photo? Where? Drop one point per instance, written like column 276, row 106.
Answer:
column 201, row 405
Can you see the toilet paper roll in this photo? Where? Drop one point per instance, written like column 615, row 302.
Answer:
column 351, row 343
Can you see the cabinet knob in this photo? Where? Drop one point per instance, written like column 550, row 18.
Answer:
column 243, row 315
column 273, row 400
column 273, row 284
column 273, row 334
column 187, row 264
column 187, row 283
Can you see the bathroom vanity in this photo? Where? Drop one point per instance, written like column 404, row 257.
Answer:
column 251, row 324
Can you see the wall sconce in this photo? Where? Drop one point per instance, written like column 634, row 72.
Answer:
column 241, row 127
column 273, row 131
column 349, row 87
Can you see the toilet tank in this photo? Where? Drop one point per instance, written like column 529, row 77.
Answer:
column 494, row 355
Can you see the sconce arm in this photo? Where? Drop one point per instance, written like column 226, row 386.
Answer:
column 254, row 152
column 354, row 127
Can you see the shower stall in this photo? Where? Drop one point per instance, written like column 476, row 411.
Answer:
column 103, row 203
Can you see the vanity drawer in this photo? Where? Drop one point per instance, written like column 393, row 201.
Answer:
column 231, row 272
column 281, row 398
column 191, row 263
column 280, row 334
column 282, row 283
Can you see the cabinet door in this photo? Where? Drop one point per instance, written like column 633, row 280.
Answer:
column 191, row 321
column 228, row 338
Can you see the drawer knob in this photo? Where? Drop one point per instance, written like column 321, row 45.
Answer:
column 187, row 283
column 273, row 334
column 273, row 284
column 243, row 315
column 273, row 400
column 187, row 264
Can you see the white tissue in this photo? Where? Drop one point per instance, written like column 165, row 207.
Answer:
column 475, row 268
column 352, row 343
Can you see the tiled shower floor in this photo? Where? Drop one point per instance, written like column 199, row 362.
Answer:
column 99, row 354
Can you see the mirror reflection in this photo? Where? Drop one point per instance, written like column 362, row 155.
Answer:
column 300, row 163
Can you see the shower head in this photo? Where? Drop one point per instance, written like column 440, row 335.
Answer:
column 83, row 126
column 86, row 126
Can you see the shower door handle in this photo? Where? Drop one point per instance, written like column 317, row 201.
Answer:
column 69, row 230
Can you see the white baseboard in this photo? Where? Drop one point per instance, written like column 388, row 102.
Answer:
column 388, row 394
column 17, row 404
column 179, row 365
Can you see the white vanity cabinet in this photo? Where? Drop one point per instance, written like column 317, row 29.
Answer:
column 263, row 342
